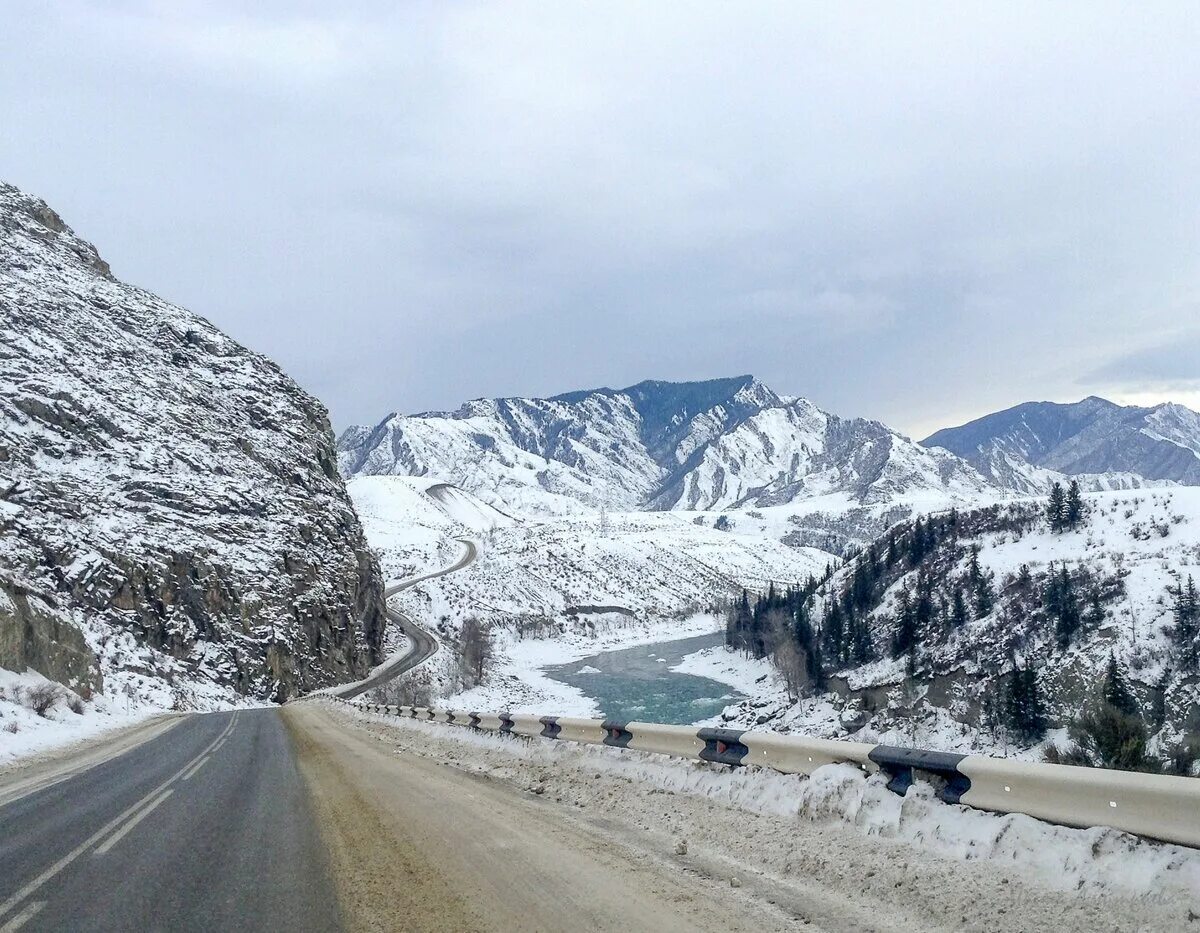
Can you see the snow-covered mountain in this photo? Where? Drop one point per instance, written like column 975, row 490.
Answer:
column 1104, row 445
column 716, row 445
column 984, row 596
column 171, row 515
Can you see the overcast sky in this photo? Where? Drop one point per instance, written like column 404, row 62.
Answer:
column 918, row 213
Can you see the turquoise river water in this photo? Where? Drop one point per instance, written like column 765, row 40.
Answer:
column 637, row 683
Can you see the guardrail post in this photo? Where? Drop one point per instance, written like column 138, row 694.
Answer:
column 616, row 734
column 899, row 764
column 723, row 745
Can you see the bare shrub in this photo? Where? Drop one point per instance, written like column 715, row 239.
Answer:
column 406, row 690
column 75, row 705
column 475, row 650
column 12, row 727
column 41, row 699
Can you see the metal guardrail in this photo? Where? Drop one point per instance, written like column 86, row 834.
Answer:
column 1158, row 806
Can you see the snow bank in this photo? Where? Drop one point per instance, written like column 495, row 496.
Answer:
column 1098, row 860
column 23, row 732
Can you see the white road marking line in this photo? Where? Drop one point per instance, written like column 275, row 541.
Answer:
column 197, row 766
column 133, row 821
column 104, row 830
column 23, row 917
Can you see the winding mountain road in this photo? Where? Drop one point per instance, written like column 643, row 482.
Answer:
column 422, row 645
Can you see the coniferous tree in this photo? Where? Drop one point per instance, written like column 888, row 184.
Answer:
column 832, row 634
column 916, row 543
column 958, row 609
column 1072, row 513
column 742, row 620
column 1158, row 704
column 1056, row 510
column 973, row 570
column 1095, row 614
column 1187, row 626
column 1024, row 713
column 906, row 629
column 1061, row 596
column 1024, row 578
column 985, row 597
column 1116, row 691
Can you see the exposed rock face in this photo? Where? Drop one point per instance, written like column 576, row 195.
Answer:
column 722, row 444
column 33, row 633
column 1106, row 445
column 174, row 494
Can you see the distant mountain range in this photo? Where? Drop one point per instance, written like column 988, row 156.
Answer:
column 1014, row 448
column 716, row 445
column 735, row 444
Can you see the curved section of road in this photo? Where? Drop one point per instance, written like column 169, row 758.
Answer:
column 421, row 644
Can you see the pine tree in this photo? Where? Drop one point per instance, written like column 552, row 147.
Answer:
column 958, row 609
column 905, row 638
column 1073, row 509
column 1187, row 622
column 1065, row 605
column 1095, row 614
column 1024, row 578
column 1057, row 509
column 832, row 633
column 1116, row 691
column 973, row 571
column 1158, row 703
column 985, row 597
column 742, row 622
column 1024, row 713
column 916, row 543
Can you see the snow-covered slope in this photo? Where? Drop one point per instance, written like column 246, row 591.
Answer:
column 171, row 515
column 1105, row 445
column 550, row 575
column 717, row 445
column 1128, row 555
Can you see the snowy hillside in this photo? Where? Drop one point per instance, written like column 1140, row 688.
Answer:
column 940, row 653
column 1106, row 446
column 548, row 575
column 173, row 528
column 723, row 445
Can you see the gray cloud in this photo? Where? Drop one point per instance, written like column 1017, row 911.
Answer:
column 917, row 212
column 1173, row 363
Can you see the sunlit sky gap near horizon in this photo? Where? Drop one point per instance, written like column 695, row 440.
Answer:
column 915, row 214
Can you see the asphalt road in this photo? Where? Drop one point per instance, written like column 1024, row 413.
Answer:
column 206, row 826
column 422, row 645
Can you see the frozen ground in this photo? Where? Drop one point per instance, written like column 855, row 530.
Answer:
column 839, row 840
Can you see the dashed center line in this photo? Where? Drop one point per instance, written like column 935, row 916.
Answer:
column 132, row 822
column 23, row 917
column 24, row 893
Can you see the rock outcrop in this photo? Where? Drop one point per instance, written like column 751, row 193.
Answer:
column 166, row 493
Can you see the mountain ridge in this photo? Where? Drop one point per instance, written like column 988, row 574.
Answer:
column 655, row 445
column 1094, row 436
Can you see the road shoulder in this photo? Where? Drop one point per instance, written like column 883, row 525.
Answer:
column 29, row 774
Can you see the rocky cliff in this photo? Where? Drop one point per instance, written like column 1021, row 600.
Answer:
column 169, row 500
